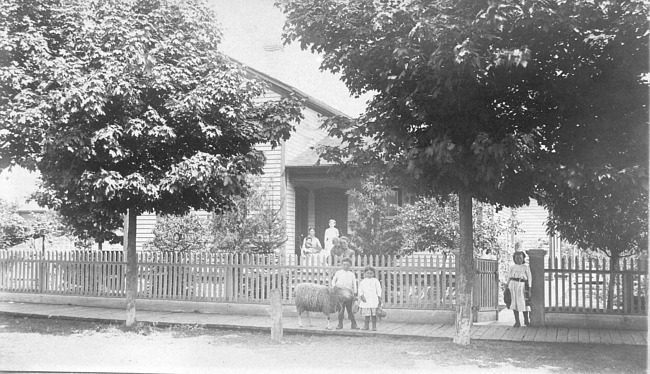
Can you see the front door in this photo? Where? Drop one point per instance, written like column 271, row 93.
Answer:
column 331, row 204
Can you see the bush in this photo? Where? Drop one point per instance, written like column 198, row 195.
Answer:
column 373, row 232
column 189, row 233
column 14, row 229
column 255, row 225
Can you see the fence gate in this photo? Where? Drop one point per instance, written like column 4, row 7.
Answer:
column 486, row 290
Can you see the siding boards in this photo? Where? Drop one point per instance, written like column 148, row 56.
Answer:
column 144, row 230
column 290, row 221
column 532, row 220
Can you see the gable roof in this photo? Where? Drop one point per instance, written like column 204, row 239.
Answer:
column 286, row 90
column 310, row 157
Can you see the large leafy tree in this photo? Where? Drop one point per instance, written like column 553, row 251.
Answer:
column 471, row 97
column 128, row 106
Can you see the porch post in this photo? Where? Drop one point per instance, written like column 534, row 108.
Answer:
column 537, row 290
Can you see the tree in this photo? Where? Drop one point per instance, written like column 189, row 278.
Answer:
column 47, row 225
column 428, row 224
column 13, row 228
column 431, row 224
column 607, row 215
column 372, row 231
column 255, row 225
column 127, row 106
column 471, row 96
column 181, row 234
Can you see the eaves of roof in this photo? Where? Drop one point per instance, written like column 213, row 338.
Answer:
column 285, row 89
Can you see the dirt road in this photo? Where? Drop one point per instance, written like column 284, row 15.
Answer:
column 50, row 345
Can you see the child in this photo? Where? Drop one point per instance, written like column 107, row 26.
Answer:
column 370, row 295
column 345, row 278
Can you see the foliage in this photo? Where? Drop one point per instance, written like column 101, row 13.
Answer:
column 610, row 216
column 255, row 225
column 372, row 232
column 128, row 104
column 478, row 98
column 14, row 229
column 431, row 224
column 178, row 234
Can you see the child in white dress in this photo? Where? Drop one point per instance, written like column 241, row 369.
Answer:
column 519, row 279
column 370, row 296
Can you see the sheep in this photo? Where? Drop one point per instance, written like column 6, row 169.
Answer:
column 310, row 297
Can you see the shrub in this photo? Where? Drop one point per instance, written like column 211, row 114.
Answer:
column 189, row 233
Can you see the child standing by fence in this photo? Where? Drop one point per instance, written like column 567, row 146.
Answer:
column 519, row 279
column 370, row 296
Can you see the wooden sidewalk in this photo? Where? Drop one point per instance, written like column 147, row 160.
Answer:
column 496, row 331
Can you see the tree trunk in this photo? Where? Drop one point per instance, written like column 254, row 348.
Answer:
column 465, row 278
column 613, row 266
column 131, row 266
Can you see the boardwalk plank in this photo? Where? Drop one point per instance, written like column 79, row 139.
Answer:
column 503, row 332
column 626, row 336
column 410, row 328
column 605, row 337
column 478, row 331
column 489, row 334
column 594, row 336
column 509, row 334
column 449, row 332
column 392, row 328
column 495, row 332
column 481, row 334
column 583, row 335
column 541, row 334
column 434, row 328
column 423, row 330
column 562, row 335
column 440, row 331
column 637, row 337
column 615, row 335
column 573, row 336
column 530, row 334
column 519, row 333
column 551, row 335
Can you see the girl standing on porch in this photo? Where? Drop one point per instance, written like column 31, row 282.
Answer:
column 519, row 279
column 331, row 233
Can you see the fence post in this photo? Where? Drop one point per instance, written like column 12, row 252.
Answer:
column 276, row 315
column 537, row 291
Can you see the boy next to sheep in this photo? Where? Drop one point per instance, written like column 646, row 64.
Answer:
column 345, row 278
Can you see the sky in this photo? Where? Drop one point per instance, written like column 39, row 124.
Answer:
column 252, row 34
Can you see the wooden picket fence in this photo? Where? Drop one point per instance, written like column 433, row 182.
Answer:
column 584, row 285
column 414, row 282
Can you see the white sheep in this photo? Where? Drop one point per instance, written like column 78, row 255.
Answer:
column 310, row 297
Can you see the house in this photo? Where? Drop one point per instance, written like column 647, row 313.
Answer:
column 307, row 192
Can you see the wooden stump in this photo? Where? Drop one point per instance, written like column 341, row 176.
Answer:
column 276, row 315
